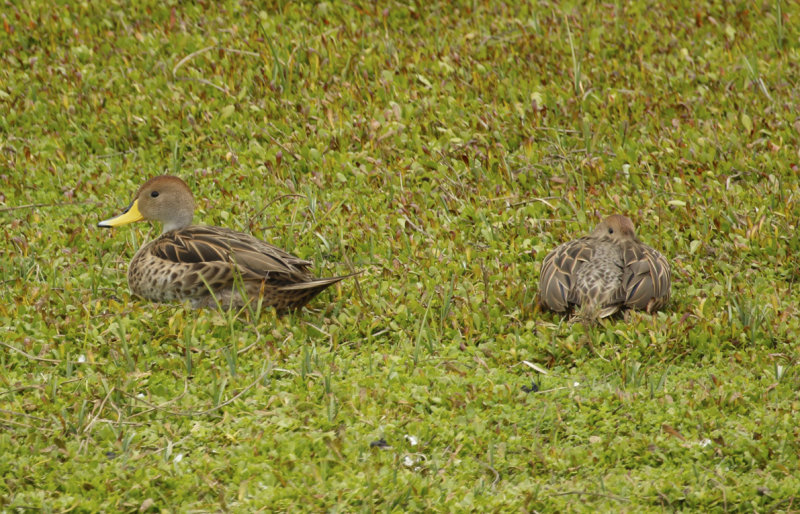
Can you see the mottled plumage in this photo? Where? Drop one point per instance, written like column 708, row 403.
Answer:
column 607, row 270
column 189, row 262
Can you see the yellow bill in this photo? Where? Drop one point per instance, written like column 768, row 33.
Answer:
column 130, row 215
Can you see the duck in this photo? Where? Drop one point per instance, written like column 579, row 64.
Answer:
column 207, row 265
column 606, row 271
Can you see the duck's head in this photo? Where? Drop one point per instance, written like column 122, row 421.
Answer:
column 166, row 199
column 616, row 227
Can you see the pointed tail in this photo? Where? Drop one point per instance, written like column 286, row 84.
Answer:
column 303, row 292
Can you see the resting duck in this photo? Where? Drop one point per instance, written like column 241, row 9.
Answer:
column 605, row 271
column 209, row 265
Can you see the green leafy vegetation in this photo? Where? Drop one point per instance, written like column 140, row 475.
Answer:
column 442, row 148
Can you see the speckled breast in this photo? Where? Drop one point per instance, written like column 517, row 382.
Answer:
column 157, row 279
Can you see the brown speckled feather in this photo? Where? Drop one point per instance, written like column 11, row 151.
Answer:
column 645, row 280
column 255, row 258
column 604, row 271
column 556, row 283
column 210, row 265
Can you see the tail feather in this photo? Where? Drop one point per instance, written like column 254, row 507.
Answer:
column 303, row 292
column 315, row 283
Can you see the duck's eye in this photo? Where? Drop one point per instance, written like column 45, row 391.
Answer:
column 611, row 231
column 154, row 194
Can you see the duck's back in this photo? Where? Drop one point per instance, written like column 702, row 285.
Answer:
column 187, row 262
column 580, row 271
column 205, row 244
column 646, row 280
column 598, row 279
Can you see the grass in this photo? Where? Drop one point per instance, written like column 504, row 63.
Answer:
column 443, row 150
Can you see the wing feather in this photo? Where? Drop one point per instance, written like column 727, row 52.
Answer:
column 557, row 278
column 212, row 247
column 646, row 278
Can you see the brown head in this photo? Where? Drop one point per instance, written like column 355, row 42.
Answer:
column 165, row 198
column 616, row 227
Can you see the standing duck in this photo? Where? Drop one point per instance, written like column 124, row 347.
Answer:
column 209, row 265
column 605, row 271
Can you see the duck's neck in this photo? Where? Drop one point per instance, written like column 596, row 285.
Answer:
column 179, row 222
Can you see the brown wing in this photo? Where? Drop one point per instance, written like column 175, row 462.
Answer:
column 559, row 269
column 217, row 247
column 645, row 279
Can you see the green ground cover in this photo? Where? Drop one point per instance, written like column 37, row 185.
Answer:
column 443, row 149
